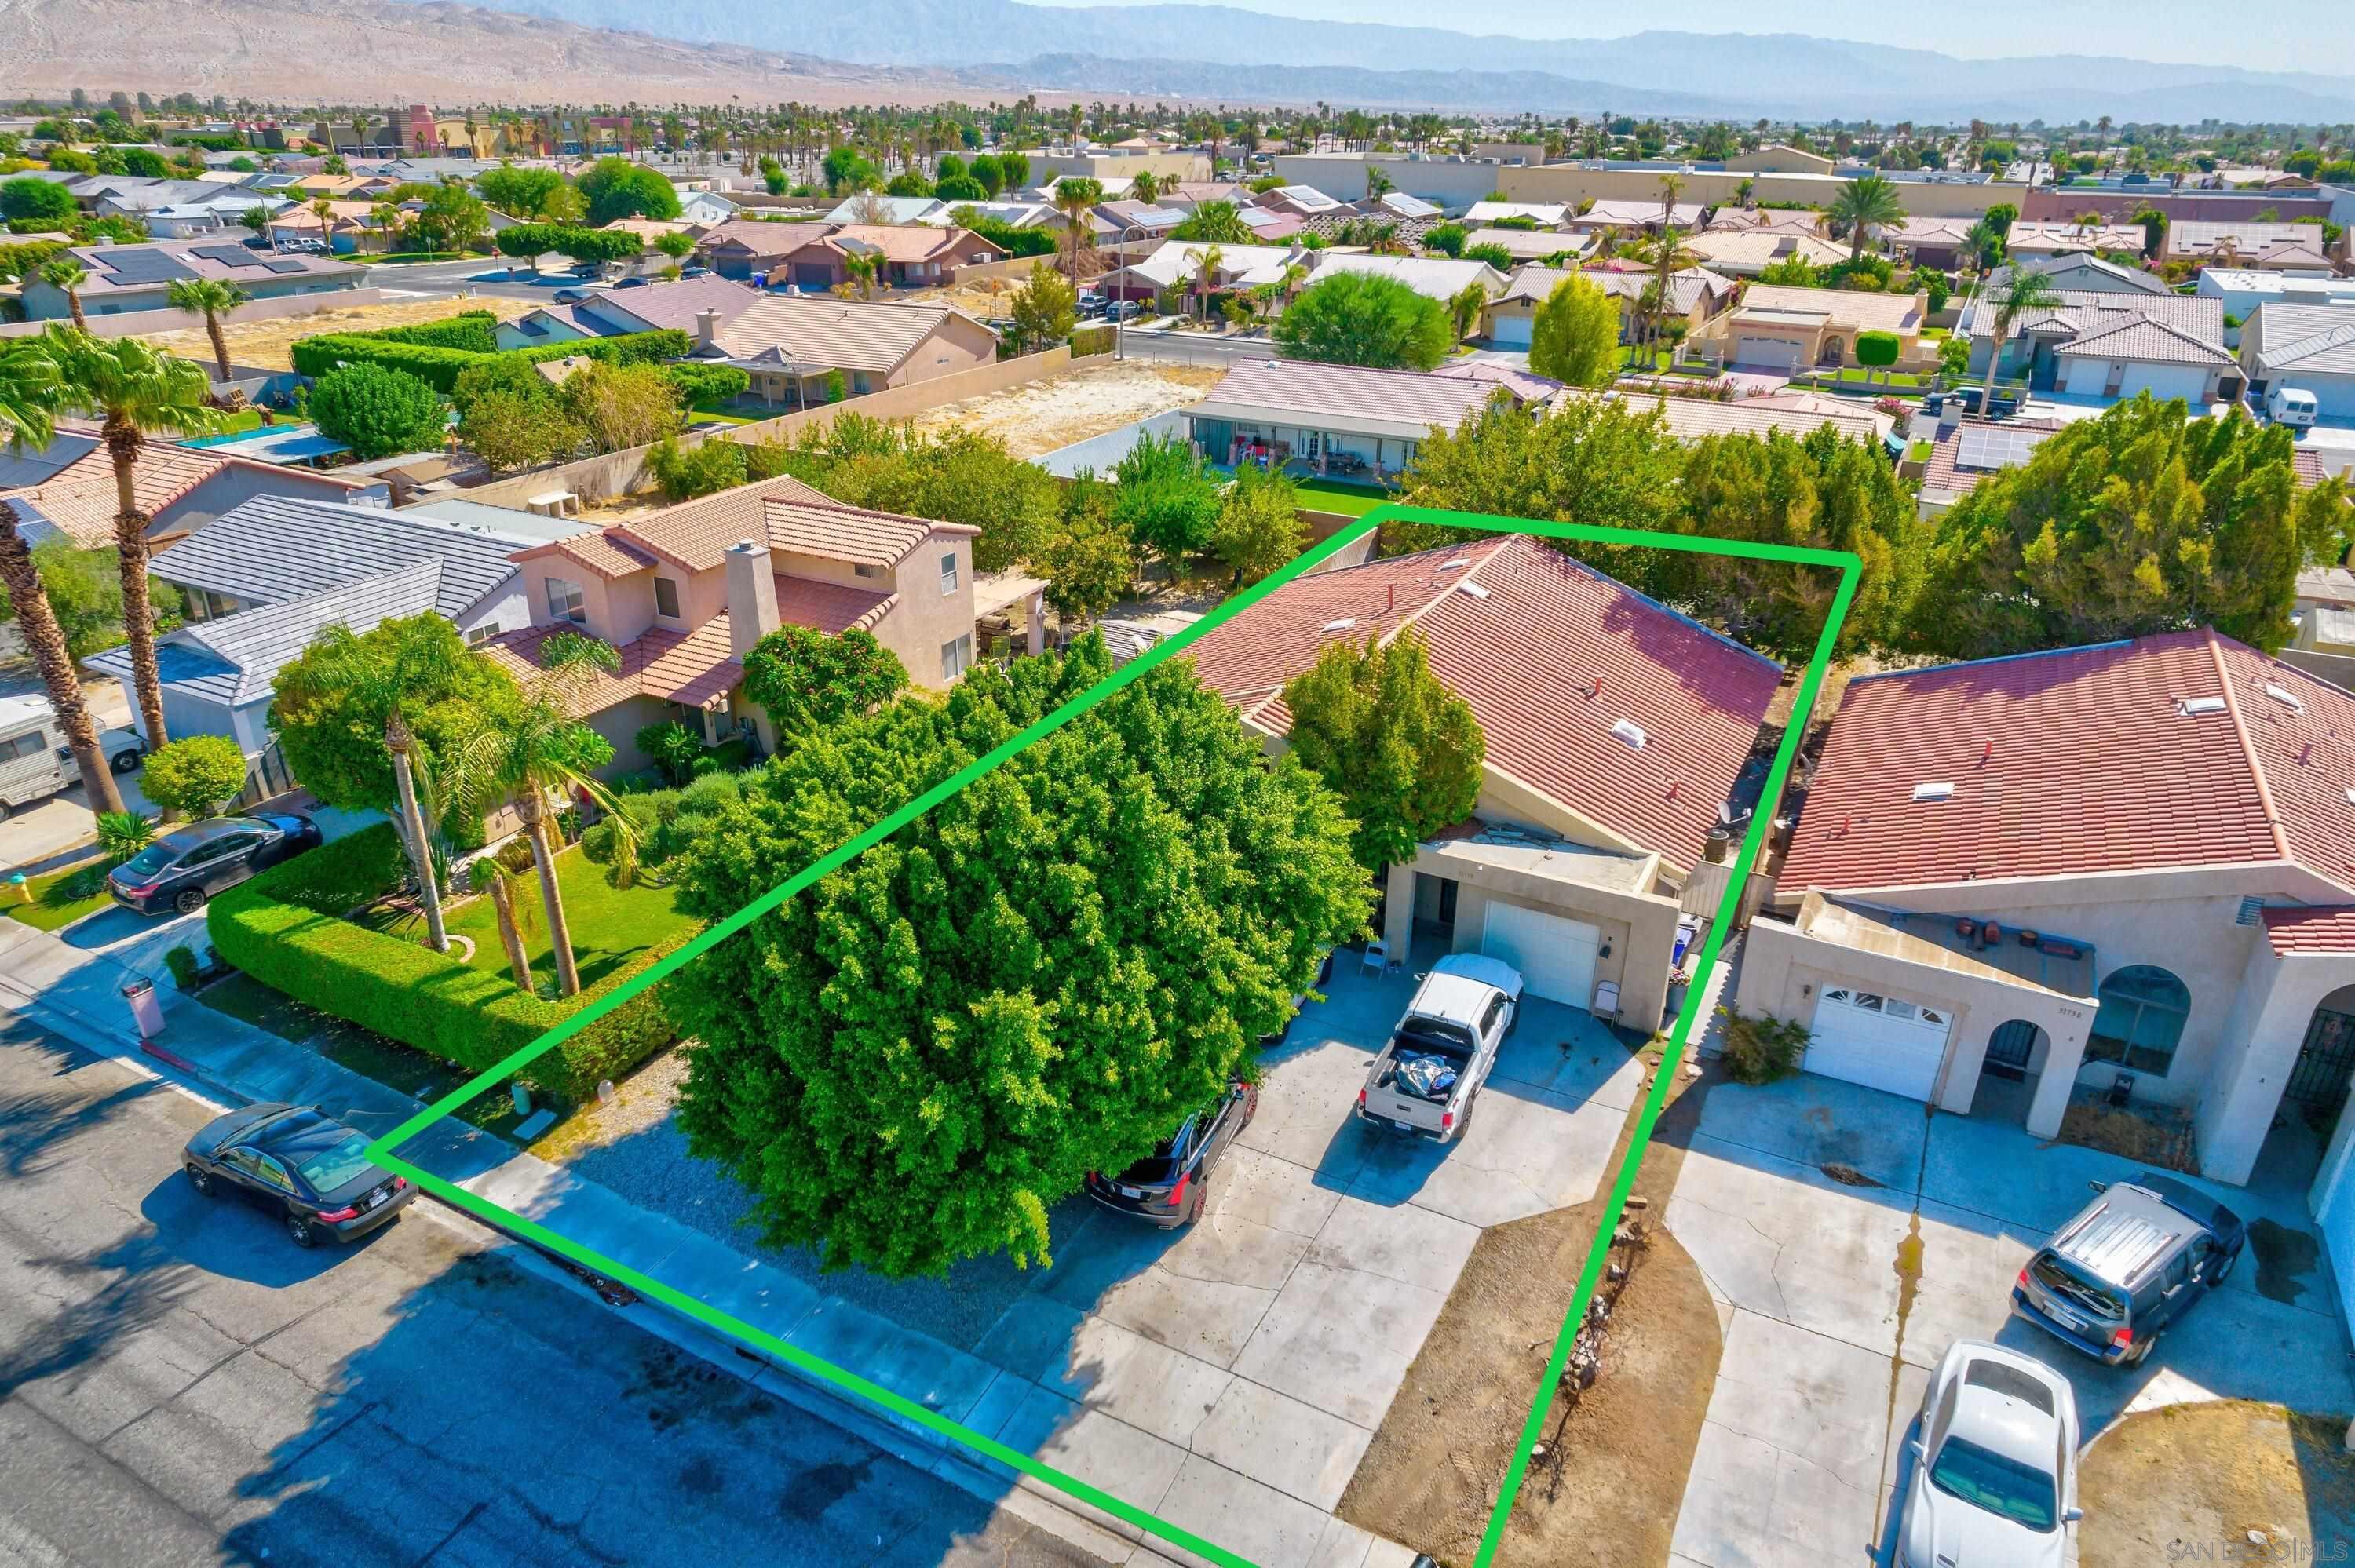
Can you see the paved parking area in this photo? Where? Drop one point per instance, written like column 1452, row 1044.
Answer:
column 1828, row 1345
column 1229, row 1378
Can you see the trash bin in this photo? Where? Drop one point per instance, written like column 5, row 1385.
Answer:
column 145, row 1011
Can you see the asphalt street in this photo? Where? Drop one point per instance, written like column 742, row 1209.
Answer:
column 181, row 1385
column 451, row 279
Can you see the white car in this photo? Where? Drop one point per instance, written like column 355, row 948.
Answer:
column 1995, row 1464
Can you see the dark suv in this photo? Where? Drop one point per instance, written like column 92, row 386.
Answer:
column 190, row 864
column 1164, row 1187
column 2129, row 1267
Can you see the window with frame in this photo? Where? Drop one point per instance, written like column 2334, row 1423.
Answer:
column 956, row 657
column 2141, row 1019
column 567, row 602
column 32, row 743
column 666, row 599
column 866, row 569
column 483, row 633
column 948, row 574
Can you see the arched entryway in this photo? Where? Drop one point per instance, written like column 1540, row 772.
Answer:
column 2318, row 1083
column 2014, row 1050
column 1833, row 355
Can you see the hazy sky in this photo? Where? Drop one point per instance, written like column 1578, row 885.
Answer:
column 2316, row 35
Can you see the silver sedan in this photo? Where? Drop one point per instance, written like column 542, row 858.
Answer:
column 1995, row 1464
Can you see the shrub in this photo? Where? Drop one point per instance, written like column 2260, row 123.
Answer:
column 1760, row 1048
column 710, row 794
column 194, row 775
column 121, row 834
column 1089, row 340
column 1877, row 350
column 708, row 383
column 477, row 332
column 685, row 473
column 673, row 747
column 377, row 411
column 182, row 961
column 273, row 929
column 440, row 367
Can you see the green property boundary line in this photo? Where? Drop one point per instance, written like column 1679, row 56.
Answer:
column 383, row 1149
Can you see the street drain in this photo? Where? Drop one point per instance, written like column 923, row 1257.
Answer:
column 1848, row 1175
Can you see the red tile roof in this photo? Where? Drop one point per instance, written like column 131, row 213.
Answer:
column 1526, row 657
column 2081, row 761
column 2329, row 928
column 81, row 499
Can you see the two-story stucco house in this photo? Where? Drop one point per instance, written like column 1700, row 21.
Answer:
column 684, row 593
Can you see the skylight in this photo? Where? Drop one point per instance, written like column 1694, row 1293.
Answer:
column 1631, row 732
column 1474, row 590
column 2286, row 699
column 1342, row 625
column 2192, row 707
column 1941, row 790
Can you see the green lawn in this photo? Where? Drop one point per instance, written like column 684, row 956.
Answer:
column 610, row 924
column 1351, row 500
column 729, row 417
column 389, row 1063
column 47, row 907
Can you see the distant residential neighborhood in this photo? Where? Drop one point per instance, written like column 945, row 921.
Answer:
column 1613, row 838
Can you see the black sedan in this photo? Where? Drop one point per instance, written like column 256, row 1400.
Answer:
column 309, row 1172
column 190, row 863
column 1165, row 1187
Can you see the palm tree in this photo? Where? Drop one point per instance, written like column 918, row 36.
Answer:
column 490, row 876
column 211, row 297
column 538, row 758
column 1669, row 257
column 325, row 211
column 859, row 270
column 1671, row 187
column 134, row 391
column 1465, row 308
column 1207, row 262
column 28, row 394
column 1864, row 205
column 379, row 675
column 1146, row 186
column 1075, row 199
column 2022, row 294
column 68, row 275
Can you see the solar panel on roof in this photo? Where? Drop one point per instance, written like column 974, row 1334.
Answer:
column 228, row 255
column 1989, row 449
column 283, row 263
column 144, row 266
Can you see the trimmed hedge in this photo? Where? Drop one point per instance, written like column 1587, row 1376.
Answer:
column 477, row 331
column 708, row 383
column 286, row 928
column 439, row 366
column 1876, row 349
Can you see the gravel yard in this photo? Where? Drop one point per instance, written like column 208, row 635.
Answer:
column 268, row 344
column 1041, row 416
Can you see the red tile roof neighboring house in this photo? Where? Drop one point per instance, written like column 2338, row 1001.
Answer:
column 610, row 553
column 81, row 499
column 787, row 512
column 1552, row 655
column 2181, row 750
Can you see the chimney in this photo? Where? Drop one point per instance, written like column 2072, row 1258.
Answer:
column 751, row 596
column 707, row 329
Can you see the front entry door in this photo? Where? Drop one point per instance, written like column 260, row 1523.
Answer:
column 2318, row 1081
column 2008, row 1049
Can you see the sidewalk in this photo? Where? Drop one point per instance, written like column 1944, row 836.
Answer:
column 76, row 992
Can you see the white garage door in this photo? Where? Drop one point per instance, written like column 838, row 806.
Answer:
column 1555, row 956
column 1512, row 332
column 1767, row 353
column 1880, row 1041
column 2089, row 376
column 2334, row 396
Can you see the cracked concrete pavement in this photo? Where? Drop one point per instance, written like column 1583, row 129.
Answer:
column 178, row 1384
column 1826, row 1352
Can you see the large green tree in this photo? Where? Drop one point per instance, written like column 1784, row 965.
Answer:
column 1380, row 729
column 1359, row 318
column 2143, row 519
column 912, row 1062
column 807, row 680
column 1259, row 527
column 1575, row 337
column 1167, row 501
column 533, row 194
column 377, row 411
column 616, row 187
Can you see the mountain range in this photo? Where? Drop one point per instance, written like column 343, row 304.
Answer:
column 918, row 51
column 1130, row 47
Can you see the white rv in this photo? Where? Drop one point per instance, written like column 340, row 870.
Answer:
column 34, row 762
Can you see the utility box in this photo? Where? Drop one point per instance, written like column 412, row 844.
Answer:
column 145, row 1011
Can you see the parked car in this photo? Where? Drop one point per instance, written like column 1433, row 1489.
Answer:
column 1424, row 1081
column 1166, row 1188
column 2127, row 1267
column 34, row 761
column 191, row 863
column 1994, row 1463
column 2291, row 406
column 694, row 272
column 311, row 1172
column 633, row 282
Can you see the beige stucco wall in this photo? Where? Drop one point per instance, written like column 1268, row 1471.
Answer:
column 1570, row 183
column 925, row 619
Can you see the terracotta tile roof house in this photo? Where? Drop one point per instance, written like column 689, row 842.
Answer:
column 1933, row 241
column 790, row 344
column 1617, row 214
column 2133, row 858
column 1545, row 215
column 1528, row 245
column 1331, row 418
column 179, row 488
column 2308, row 347
column 1616, row 731
column 684, row 592
column 2176, row 349
column 2027, row 237
column 1776, row 327
column 1963, row 455
column 1746, row 253
column 1434, row 277
column 1695, row 294
column 2194, row 239
column 1690, row 418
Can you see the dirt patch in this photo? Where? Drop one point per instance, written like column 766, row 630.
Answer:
column 2133, row 1135
column 1038, row 417
column 643, row 1099
column 1432, row 1478
column 2219, row 1481
column 269, row 345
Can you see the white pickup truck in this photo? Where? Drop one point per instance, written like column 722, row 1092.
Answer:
column 1442, row 1051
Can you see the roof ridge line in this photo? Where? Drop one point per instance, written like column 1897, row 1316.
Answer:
column 2248, row 750
column 1440, row 597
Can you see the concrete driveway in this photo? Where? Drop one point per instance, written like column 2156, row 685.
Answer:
column 1838, row 1290
column 1229, row 1378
